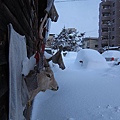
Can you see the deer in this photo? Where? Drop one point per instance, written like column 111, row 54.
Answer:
column 57, row 59
column 45, row 80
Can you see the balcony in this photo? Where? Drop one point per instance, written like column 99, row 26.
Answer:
column 106, row 10
column 106, row 3
column 104, row 25
column 105, row 18
column 104, row 33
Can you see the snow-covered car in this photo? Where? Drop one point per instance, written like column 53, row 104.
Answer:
column 49, row 50
column 112, row 56
column 89, row 58
column 117, row 62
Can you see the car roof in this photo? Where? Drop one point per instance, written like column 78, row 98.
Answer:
column 111, row 53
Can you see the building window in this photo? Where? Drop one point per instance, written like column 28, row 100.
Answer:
column 106, row 6
column 113, row 12
column 96, row 46
column 106, row 14
column 113, row 20
column 113, row 37
column 104, row 29
column 105, row 22
column 104, row 37
column 113, row 29
column 113, row 4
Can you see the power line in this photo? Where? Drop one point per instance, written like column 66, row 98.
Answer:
column 68, row 1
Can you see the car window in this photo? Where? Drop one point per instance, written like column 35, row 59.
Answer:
column 49, row 51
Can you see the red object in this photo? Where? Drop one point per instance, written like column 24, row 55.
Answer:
column 37, row 57
column 43, row 47
column 112, row 59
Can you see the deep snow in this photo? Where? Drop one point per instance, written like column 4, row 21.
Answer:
column 84, row 93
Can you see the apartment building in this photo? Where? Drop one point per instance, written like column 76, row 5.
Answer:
column 109, row 23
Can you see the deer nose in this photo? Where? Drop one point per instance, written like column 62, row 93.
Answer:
column 57, row 87
column 63, row 67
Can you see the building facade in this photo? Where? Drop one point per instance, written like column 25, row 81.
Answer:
column 28, row 18
column 90, row 42
column 109, row 23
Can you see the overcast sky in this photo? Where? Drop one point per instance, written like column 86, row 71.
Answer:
column 82, row 15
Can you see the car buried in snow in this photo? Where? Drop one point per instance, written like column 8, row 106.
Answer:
column 89, row 58
column 49, row 50
column 112, row 57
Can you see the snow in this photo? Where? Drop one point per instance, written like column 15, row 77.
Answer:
column 111, row 53
column 47, row 55
column 84, row 94
column 28, row 64
column 91, row 58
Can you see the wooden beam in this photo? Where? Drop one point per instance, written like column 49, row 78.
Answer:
column 9, row 16
column 24, row 9
column 15, row 9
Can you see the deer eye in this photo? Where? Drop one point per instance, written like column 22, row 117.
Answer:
column 48, row 75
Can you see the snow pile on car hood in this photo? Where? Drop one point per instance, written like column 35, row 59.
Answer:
column 89, row 58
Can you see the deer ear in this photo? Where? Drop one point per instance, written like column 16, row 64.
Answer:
column 61, row 47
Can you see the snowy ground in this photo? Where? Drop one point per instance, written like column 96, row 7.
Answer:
column 84, row 94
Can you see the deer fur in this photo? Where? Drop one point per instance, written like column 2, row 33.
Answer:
column 57, row 59
column 45, row 80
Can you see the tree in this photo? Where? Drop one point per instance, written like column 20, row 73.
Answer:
column 69, row 39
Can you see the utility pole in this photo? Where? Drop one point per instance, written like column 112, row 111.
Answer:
column 109, row 34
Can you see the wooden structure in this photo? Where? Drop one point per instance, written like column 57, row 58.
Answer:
column 24, row 15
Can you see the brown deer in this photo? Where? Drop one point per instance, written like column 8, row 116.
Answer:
column 45, row 80
column 57, row 59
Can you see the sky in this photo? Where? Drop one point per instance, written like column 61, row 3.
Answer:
column 82, row 15
column 87, row 91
